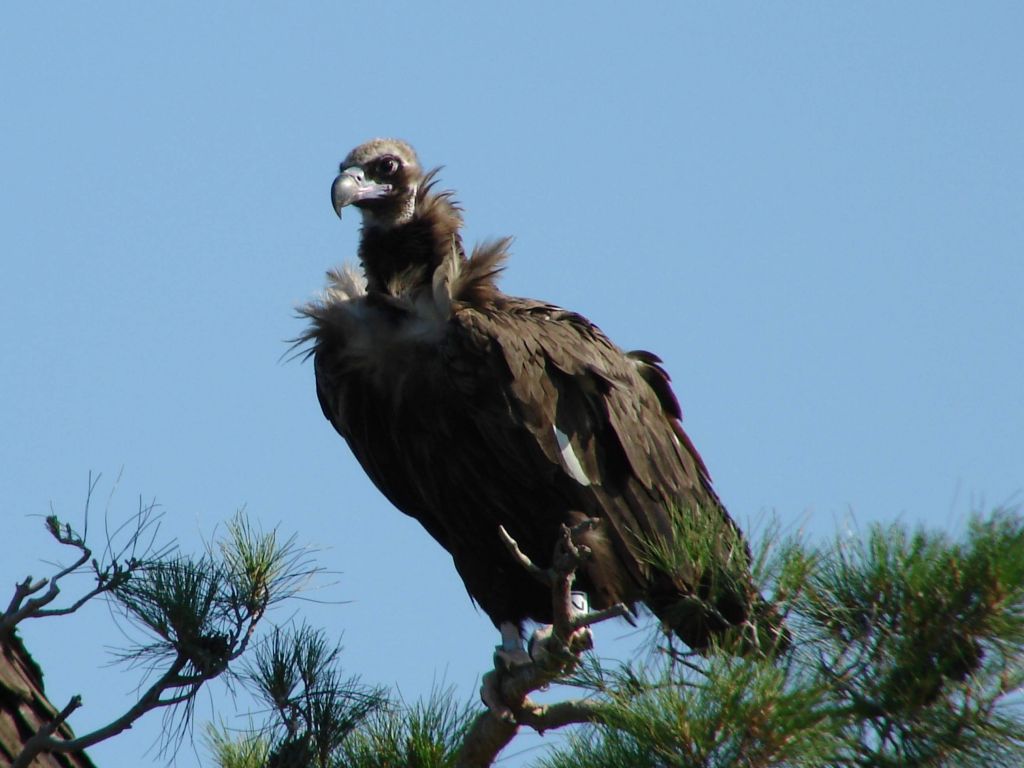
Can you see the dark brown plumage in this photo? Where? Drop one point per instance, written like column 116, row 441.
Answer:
column 470, row 409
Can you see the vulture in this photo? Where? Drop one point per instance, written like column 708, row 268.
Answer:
column 471, row 409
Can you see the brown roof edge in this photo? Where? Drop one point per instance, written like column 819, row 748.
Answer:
column 24, row 708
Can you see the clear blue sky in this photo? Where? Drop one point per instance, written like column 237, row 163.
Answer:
column 814, row 212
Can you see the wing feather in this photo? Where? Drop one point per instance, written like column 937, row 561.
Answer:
column 562, row 376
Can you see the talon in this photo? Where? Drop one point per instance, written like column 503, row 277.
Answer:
column 511, row 652
column 538, row 645
column 490, row 695
column 509, row 659
column 582, row 640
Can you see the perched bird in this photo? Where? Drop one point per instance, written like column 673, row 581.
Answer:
column 471, row 409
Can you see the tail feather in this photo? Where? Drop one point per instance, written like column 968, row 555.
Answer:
column 742, row 623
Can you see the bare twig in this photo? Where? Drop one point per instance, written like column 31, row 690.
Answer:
column 204, row 613
column 109, row 574
column 596, row 617
column 37, row 743
column 542, row 575
column 181, row 688
column 20, row 608
column 555, row 651
column 44, row 741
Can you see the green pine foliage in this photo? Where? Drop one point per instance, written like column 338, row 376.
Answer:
column 247, row 750
column 189, row 619
column 314, row 706
column 906, row 650
column 901, row 648
column 320, row 718
column 425, row 734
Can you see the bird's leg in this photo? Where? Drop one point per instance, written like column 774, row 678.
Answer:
column 555, row 649
column 511, row 652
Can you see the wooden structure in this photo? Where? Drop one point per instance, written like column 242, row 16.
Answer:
column 24, row 709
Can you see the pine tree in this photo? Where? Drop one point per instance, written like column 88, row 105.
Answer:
column 905, row 649
column 902, row 648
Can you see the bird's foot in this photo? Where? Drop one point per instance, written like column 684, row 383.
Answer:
column 510, row 653
column 549, row 651
column 490, row 694
column 510, row 659
column 516, row 657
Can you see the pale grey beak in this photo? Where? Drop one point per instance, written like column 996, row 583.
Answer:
column 352, row 186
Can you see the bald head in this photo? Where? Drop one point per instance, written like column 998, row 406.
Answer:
column 380, row 178
column 374, row 149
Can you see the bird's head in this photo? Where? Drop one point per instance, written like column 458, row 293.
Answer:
column 380, row 178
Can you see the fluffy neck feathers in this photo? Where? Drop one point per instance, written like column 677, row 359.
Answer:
column 410, row 253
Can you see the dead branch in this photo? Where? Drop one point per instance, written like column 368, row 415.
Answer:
column 28, row 603
column 555, row 652
column 196, row 655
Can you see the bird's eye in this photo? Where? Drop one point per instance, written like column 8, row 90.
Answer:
column 388, row 166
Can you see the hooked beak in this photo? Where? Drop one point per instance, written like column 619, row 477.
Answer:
column 352, row 186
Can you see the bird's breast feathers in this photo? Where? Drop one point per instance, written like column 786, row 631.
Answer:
column 376, row 332
column 379, row 330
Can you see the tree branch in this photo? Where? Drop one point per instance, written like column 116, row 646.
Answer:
column 543, row 575
column 203, row 611
column 19, row 610
column 44, row 741
column 573, row 711
column 37, row 743
column 108, row 578
column 555, row 652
